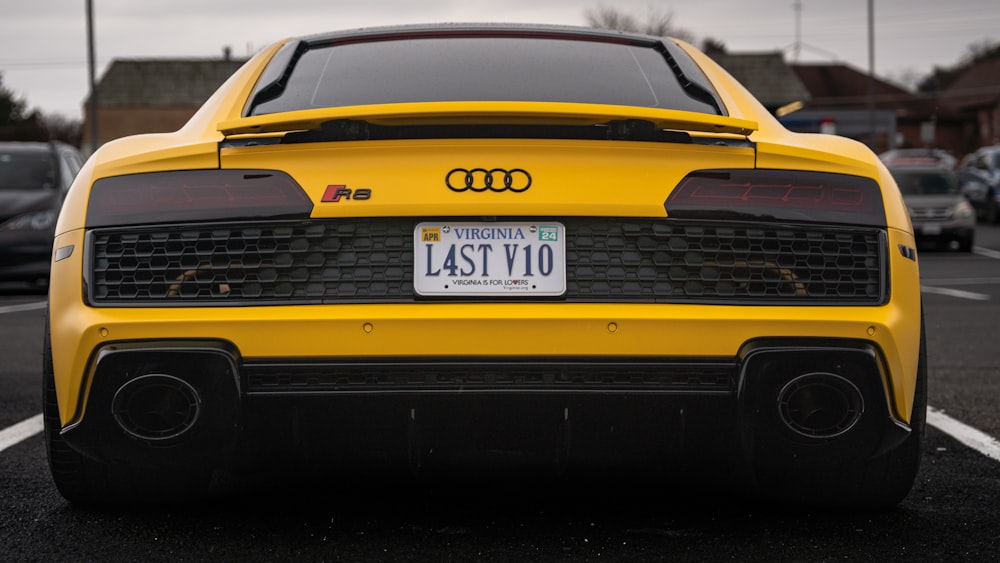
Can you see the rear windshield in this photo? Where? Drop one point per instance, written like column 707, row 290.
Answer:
column 26, row 170
column 482, row 69
column 925, row 182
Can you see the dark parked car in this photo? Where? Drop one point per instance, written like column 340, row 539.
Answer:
column 979, row 178
column 34, row 178
column 938, row 210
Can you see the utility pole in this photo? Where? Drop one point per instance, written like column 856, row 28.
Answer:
column 92, row 101
column 871, row 72
column 797, row 47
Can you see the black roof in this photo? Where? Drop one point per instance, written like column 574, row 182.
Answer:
column 163, row 82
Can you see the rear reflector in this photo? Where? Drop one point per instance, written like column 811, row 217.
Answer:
column 789, row 195
column 196, row 195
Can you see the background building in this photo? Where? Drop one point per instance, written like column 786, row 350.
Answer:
column 153, row 95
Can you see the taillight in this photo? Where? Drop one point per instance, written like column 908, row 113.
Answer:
column 196, row 195
column 787, row 195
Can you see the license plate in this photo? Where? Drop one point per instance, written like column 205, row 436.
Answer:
column 489, row 259
column 930, row 229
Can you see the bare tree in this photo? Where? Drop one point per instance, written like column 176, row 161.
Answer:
column 606, row 17
column 908, row 78
column 655, row 22
column 941, row 77
column 713, row 46
column 61, row 128
column 980, row 50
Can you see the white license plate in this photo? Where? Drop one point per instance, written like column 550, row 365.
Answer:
column 489, row 259
column 930, row 229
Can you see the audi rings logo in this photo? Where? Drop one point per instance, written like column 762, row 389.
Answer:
column 494, row 180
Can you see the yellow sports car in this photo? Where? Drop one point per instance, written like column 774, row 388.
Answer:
column 507, row 247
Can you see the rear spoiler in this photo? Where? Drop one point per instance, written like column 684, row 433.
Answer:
column 510, row 113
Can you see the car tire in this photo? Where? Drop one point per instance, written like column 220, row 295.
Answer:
column 990, row 214
column 79, row 479
column 88, row 482
column 875, row 483
column 965, row 244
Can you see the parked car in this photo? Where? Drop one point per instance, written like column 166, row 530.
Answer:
column 473, row 247
column 34, row 179
column 939, row 211
column 979, row 178
column 919, row 157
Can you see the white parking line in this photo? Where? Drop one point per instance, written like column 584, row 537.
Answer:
column 29, row 427
column 982, row 443
column 955, row 293
column 22, row 307
column 987, row 252
column 21, row 431
column 960, row 281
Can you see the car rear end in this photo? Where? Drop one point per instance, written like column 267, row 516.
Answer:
column 326, row 270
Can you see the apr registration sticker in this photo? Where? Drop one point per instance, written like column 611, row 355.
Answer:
column 489, row 259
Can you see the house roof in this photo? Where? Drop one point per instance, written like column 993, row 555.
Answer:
column 766, row 75
column 977, row 87
column 163, row 82
column 839, row 86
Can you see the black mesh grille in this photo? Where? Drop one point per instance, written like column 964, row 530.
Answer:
column 643, row 260
column 416, row 375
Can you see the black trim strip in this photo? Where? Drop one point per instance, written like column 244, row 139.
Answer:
column 353, row 376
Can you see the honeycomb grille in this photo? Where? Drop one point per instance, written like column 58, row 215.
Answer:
column 607, row 260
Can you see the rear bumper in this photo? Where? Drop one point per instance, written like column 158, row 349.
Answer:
column 196, row 403
column 486, row 378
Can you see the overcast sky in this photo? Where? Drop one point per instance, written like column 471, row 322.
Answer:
column 43, row 43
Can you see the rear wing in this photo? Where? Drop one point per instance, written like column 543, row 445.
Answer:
column 498, row 113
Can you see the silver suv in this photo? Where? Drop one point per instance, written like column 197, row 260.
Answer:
column 937, row 209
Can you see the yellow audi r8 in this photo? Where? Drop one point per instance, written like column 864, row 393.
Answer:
column 433, row 247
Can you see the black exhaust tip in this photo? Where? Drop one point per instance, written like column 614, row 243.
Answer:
column 820, row 405
column 156, row 407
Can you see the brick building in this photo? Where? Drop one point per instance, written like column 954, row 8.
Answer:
column 975, row 95
column 153, row 95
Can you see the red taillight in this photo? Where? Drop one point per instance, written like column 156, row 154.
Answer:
column 196, row 195
column 789, row 195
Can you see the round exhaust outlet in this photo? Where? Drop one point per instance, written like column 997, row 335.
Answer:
column 820, row 405
column 156, row 407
